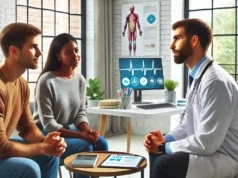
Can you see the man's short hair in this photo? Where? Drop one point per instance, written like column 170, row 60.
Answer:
column 16, row 34
column 196, row 27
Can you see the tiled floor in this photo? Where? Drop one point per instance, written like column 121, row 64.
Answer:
column 118, row 143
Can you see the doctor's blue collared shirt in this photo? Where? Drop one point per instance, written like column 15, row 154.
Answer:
column 196, row 67
column 193, row 72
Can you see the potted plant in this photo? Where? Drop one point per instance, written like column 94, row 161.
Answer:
column 94, row 92
column 170, row 94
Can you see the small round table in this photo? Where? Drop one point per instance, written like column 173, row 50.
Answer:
column 99, row 171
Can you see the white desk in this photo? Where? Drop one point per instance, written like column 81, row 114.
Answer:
column 129, row 113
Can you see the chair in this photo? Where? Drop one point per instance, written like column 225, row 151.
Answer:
column 61, row 159
column 61, row 164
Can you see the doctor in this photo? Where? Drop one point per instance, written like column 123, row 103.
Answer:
column 205, row 144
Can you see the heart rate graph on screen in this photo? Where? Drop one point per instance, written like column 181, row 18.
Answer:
column 141, row 73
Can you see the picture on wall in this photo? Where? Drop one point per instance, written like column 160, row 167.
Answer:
column 140, row 29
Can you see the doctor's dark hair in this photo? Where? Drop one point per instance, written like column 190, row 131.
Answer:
column 196, row 27
column 16, row 34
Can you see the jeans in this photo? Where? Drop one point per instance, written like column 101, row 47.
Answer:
column 35, row 167
column 77, row 145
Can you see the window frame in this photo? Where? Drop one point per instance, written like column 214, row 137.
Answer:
column 83, row 29
column 186, row 15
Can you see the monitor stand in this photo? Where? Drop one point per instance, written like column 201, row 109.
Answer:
column 138, row 98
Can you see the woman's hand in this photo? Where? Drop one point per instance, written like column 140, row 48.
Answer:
column 90, row 135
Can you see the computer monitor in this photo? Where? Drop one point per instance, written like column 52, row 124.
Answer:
column 141, row 73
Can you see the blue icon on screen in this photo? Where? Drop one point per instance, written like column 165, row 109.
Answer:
column 126, row 81
column 143, row 81
column 134, row 81
column 151, row 18
column 152, row 81
column 160, row 81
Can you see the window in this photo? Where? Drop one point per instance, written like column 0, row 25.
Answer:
column 54, row 17
column 221, row 15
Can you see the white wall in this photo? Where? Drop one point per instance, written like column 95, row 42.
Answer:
column 165, row 39
column 167, row 13
column 171, row 11
column 7, row 15
column 177, row 7
column 90, row 38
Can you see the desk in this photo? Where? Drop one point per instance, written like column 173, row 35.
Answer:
column 99, row 171
column 129, row 113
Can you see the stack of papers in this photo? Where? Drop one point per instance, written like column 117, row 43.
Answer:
column 109, row 103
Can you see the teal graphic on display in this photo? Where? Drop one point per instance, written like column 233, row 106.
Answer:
column 141, row 73
column 151, row 18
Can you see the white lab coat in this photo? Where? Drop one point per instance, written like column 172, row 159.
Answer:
column 209, row 131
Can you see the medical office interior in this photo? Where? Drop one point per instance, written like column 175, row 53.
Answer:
column 98, row 27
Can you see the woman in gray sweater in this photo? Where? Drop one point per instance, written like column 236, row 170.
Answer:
column 60, row 99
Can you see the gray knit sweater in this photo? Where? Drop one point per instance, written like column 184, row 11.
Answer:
column 60, row 102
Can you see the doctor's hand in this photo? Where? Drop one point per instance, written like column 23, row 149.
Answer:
column 153, row 140
column 156, row 139
column 147, row 142
column 158, row 135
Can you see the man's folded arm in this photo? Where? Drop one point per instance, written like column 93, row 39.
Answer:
column 14, row 149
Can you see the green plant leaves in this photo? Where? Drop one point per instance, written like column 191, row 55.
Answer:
column 94, row 91
column 170, row 85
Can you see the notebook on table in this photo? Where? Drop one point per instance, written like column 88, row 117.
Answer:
column 85, row 161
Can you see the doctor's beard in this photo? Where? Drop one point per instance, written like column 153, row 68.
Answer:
column 184, row 53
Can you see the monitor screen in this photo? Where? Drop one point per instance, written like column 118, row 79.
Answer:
column 141, row 73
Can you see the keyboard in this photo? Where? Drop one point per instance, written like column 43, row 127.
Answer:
column 156, row 106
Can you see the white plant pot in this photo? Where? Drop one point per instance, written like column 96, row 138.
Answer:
column 170, row 96
column 93, row 103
